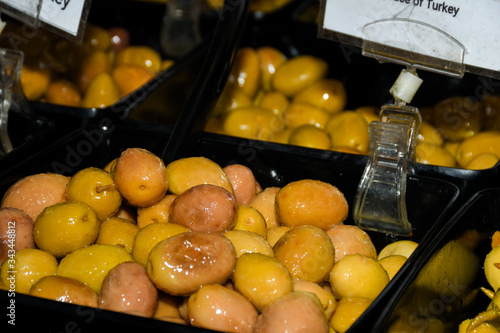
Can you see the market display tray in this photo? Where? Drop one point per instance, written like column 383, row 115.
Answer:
column 432, row 193
column 27, row 132
column 444, row 288
column 367, row 83
column 428, row 199
column 159, row 100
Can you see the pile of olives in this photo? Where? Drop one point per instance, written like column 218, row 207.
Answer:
column 193, row 243
column 291, row 100
column 94, row 73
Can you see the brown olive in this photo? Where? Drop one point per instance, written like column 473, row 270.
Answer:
column 458, row 117
column 127, row 288
column 181, row 264
column 205, row 207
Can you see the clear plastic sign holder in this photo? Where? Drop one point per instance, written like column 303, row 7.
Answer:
column 11, row 97
column 26, row 11
column 410, row 46
column 380, row 202
column 180, row 31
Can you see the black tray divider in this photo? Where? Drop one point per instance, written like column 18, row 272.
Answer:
column 212, row 78
column 375, row 318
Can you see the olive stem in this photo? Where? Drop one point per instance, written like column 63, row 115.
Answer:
column 487, row 292
column 102, row 188
column 480, row 318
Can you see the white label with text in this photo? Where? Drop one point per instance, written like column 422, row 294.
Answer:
column 63, row 14
column 473, row 24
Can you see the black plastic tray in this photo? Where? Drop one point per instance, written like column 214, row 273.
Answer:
column 160, row 100
column 461, row 275
column 428, row 199
column 27, row 132
column 368, row 82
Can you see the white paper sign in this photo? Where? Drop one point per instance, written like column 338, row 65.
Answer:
column 64, row 16
column 433, row 28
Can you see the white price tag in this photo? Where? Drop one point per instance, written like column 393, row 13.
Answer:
column 66, row 17
column 455, row 31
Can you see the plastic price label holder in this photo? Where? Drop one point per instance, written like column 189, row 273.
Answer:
column 26, row 11
column 10, row 70
column 12, row 100
column 448, row 38
column 67, row 18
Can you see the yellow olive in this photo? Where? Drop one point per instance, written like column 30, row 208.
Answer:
column 270, row 59
column 27, row 266
column 250, row 219
column 248, row 242
column 275, row 101
column 262, row 279
column 310, row 136
column 245, row 72
column 65, row 227
column 232, row 97
column 264, row 202
column 185, row 173
column 143, row 56
column 96, row 188
column 307, row 252
column 484, row 142
column 101, row 92
column 348, row 311
column 299, row 113
column 357, row 275
column 327, row 94
column 349, row 129
column 429, row 153
column 429, row 134
column 63, row 289
column 252, row 123
column 297, row 73
column 311, row 202
column 141, row 177
column 91, row 264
